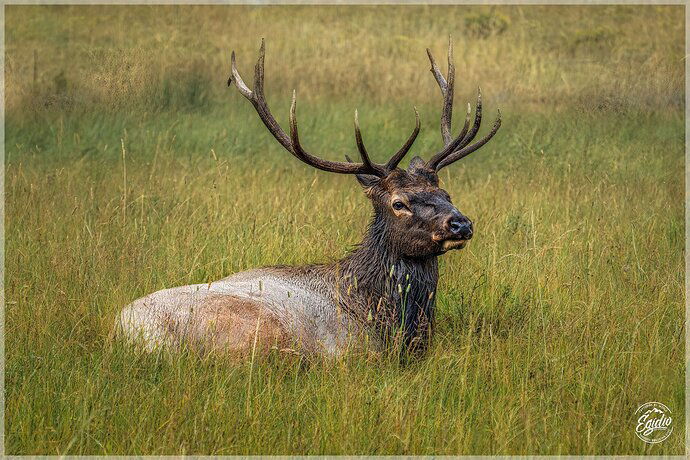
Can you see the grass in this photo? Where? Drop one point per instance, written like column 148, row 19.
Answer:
column 562, row 316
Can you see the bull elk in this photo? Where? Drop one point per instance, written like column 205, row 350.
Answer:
column 382, row 293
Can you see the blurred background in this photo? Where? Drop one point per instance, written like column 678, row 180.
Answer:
column 540, row 58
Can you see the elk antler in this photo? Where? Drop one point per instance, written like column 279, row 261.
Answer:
column 292, row 144
column 459, row 147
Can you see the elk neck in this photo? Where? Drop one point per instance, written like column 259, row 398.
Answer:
column 379, row 283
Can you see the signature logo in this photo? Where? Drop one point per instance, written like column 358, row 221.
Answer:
column 653, row 422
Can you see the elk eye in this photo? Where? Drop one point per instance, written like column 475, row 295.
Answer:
column 398, row 205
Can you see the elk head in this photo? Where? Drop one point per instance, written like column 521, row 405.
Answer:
column 419, row 219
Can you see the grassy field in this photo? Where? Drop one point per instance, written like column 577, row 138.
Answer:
column 130, row 167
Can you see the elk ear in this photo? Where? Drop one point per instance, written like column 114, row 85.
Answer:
column 416, row 165
column 420, row 167
column 367, row 180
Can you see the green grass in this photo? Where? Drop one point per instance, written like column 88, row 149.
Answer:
column 562, row 316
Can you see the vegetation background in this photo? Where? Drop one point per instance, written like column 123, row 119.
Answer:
column 131, row 167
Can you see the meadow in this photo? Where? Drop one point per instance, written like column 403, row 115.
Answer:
column 131, row 167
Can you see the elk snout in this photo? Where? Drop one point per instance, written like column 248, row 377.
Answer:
column 459, row 226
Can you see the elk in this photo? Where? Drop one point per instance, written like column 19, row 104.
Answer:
column 382, row 293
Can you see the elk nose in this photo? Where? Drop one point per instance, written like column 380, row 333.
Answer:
column 460, row 226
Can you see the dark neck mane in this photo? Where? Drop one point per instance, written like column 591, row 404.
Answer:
column 380, row 286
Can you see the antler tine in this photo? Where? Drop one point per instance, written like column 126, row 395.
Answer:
column 477, row 122
column 450, row 90
column 462, row 140
column 259, row 71
column 463, row 152
column 256, row 97
column 362, row 150
column 449, row 148
column 447, row 90
column 440, row 79
column 237, row 80
column 400, row 154
column 325, row 165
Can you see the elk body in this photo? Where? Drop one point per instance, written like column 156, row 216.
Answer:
column 383, row 292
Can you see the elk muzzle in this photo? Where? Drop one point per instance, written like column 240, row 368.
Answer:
column 460, row 227
column 457, row 230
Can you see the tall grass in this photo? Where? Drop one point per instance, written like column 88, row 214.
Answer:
column 561, row 317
